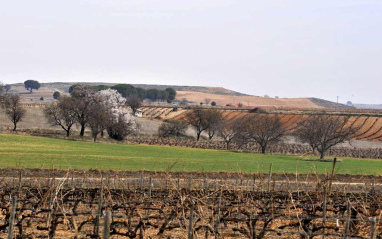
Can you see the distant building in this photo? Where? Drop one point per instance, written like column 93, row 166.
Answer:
column 138, row 113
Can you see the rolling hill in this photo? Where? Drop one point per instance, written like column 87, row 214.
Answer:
column 195, row 94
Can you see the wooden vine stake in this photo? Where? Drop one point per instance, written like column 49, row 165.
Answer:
column 190, row 226
column 373, row 234
column 12, row 218
column 218, row 215
column 270, row 177
column 324, row 211
column 106, row 225
column 347, row 224
column 332, row 175
column 99, row 213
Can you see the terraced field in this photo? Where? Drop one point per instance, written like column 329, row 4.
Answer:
column 370, row 126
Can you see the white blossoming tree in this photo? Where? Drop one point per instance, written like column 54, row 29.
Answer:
column 108, row 113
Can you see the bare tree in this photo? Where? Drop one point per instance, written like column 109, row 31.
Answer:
column 13, row 109
column 172, row 128
column 134, row 102
column 262, row 129
column 214, row 120
column 82, row 95
column 322, row 132
column 99, row 116
column 62, row 113
column 229, row 131
column 202, row 119
column 207, row 101
column 2, row 88
column 196, row 117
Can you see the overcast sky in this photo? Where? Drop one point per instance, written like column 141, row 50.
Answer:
column 283, row 48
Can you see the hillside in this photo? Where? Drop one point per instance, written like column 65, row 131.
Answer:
column 248, row 101
column 330, row 104
column 195, row 94
column 64, row 86
column 370, row 126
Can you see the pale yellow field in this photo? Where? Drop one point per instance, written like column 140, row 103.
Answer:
column 247, row 101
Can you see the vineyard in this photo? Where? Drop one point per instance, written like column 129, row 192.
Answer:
column 370, row 127
column 178, row 205
column 280, row 148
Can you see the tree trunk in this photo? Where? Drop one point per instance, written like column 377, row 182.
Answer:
column 322, row 154
column 263, row 147
column 14, row 126
column 198, row 136
column 95, row 137
column 68, row 133
column 82, row 129
column 227, row 142
column 210, row 134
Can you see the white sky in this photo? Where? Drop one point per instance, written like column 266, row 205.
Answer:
column 283, row 48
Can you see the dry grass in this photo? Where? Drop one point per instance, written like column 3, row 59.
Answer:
column 247, row 101
column 35, row 120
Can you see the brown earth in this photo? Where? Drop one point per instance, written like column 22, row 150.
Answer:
column 370, row 127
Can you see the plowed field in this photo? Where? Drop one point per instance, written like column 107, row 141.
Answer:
column 370, row 127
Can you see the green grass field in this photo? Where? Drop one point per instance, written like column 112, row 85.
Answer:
column 17, row 151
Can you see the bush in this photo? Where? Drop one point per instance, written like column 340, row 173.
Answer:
column 126, row 125
column 213, row 103
column 56, row 95
column 42, row 98
column 172, row 128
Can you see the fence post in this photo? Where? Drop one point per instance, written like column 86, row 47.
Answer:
column 106, row 225
column 72, row 180
column 373, row 226
column 20, row 181
column 205, row 184
column 141, row 181
column 150, row 186
column 190, row 226
column 332, row 175
column 99, row 213
column 148, row 204
column 324, row 211
column 347, row 224
column 189, row 184
column 218, row 215
column 178, row 182
column 12, row 217
column 141, row 230
column 270, row 177
column 254, row 182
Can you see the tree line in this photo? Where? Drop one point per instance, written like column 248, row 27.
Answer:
column 103, row 111
column 320, row 132
column 127, row 90
column 100, row 111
